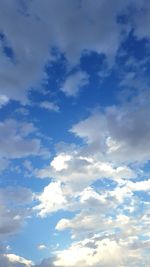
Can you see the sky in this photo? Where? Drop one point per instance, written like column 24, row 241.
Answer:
column 74, row 133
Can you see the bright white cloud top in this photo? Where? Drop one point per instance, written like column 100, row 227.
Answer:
column 74, row 133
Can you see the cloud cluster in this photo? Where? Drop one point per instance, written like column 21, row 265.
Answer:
column 71, row 27
column 119, row 217
column 96, row 251
column 98, row 181
column 78, row 171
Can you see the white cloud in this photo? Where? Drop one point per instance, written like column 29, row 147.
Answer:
column 79, row 171
column 113, row 138
column 74, row 83
column 73, row 173
column 96, row 252
column 14, row 260
column 49, row 106
column 41, row 247
column 60, row 162
column 51, row 199
column 139, row 186
column 114, row 210
column 62, row 224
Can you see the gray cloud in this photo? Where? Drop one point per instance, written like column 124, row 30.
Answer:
column 74, row 83
column 15, row 140
column 120, row 133
column 12, row 260
column 72, row 26
column 13, row 209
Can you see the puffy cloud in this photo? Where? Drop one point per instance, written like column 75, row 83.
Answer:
column 13, row 260
column 60, row 162
column 117, row 209
column 74, row 82
column 120, row 234
column 120, row 133
column 73, row 173
column 114, row 138
column 79, row 171
column 88, row 252
column 96, row 251
column 51, row 199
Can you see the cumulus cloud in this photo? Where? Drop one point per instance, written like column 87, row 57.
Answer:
column 74, row 82
column 114, row 138
column 13, row 260
column 109, row 207
column 100, row 212
column 114, row 207
column 73, row 173
column 120, row 133
column 95, row 252
column 51, row 199
column 95, row 207
column 60, row 162
column 78, row 171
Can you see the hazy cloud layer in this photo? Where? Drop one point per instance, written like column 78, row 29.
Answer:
column 13, row 209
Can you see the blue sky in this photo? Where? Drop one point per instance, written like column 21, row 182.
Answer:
column 74, row 133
